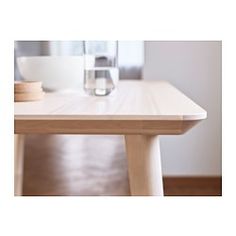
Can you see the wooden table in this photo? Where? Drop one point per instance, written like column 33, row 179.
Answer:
column 141, row 111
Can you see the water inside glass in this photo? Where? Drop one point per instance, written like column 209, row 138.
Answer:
column 100, row 81
column 101, row 73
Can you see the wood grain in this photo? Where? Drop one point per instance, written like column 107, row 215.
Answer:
column 66, row 165
column 18, row 164
column 141, row 108
column 138, row 107
column 33, row 96
column 192, row 185
column 144, row 164
column 150, row 127
column 27, row 86
column 70, row 165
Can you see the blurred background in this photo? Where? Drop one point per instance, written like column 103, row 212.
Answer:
column 96, row 165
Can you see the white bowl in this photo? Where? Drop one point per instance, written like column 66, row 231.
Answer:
column 55, row 72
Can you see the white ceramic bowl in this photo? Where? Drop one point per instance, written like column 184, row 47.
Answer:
column 55, row 72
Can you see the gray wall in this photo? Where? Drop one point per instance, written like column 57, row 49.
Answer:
column 194, row 68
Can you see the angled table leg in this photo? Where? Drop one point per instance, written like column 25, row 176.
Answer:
column 18, row 163
column 144, row 165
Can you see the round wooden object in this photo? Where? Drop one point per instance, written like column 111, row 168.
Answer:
column 27, row 86
column 28, row 91
column 23, row 97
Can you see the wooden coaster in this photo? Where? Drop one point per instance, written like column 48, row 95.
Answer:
column 28, row 91
column 24, row 97
column 27, row 86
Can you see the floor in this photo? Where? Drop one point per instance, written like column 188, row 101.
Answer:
column 95, row 165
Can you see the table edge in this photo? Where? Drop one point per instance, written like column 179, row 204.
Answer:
column 200, row 116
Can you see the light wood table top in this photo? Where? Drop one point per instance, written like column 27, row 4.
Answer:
column 139, row 110
column 137, row 107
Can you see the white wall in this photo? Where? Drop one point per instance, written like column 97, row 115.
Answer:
column 194, row 68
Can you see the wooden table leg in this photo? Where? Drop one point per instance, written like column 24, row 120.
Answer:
column 144, row 165
column 18, row 163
